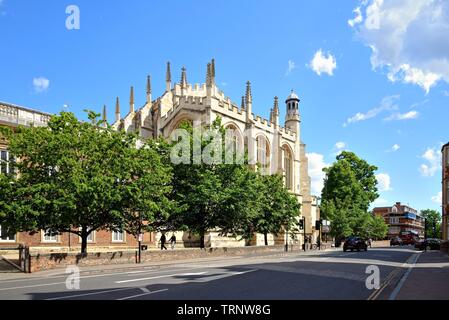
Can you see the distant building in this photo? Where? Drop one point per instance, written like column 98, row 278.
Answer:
column 401, row 220
column 445, row 192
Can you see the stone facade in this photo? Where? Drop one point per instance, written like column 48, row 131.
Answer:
column 278, row 148
column 280, row 145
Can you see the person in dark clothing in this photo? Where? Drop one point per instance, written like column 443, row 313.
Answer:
column 163, row 240
column 173, row 241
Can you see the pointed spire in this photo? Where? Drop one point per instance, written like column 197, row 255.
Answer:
column 117, row 110
column 131, row 100
column 212, row 71
column 168, row 78
column 209, row 75
column 248, row 96
column 248, row 102
column 271, row 115
column 149, row 89
column 148, row 84
column 276, row 106
column 105, row 119
column 243, row 103
column 183, row 78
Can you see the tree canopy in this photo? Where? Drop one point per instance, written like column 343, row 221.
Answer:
column 350, row 186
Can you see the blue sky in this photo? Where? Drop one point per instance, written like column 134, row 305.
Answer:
column 377, row 82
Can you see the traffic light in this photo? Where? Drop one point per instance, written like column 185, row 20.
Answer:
column 317, row 224
column 301, row 224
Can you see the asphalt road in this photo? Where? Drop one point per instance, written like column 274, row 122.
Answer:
column 328, row 275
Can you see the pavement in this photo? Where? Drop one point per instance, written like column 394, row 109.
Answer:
column 404, row 273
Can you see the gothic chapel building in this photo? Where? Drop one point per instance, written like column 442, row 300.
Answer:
column 266, row 141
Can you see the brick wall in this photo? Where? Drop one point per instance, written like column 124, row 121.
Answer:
column 46, row 261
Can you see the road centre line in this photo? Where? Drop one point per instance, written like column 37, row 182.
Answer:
column 142, row 294
column 88, row 294
column 164, row 276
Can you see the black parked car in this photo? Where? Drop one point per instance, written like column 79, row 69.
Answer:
column 396, row 241
column 430, row 244
column 355, row 243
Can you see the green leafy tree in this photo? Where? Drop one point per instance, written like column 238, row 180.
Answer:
column 277, row 207
column 145, row 188
column 349, row 188
column 378, row 228
column 77, row 177
column 432, row 223
column 198, row 187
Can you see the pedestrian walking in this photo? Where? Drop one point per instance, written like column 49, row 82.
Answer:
column 163, row 240
column 173, row 241
column 370, row 242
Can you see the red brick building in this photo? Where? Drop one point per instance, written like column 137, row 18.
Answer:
column 445, row 192
column 401, row 220
column 12, row 116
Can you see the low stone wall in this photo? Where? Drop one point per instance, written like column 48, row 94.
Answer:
column 382, row 243
column 47, row 261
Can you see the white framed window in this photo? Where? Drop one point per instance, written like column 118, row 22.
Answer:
column 288, row 164
column 49, row 237
column 118, row 236
column 6, row 161
column 6, row 235
column 263, row 154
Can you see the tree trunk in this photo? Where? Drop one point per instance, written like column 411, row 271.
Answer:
column 265, row 236
column 84, row 236
column 202, row 246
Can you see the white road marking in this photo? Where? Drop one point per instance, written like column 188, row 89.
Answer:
column 164, row 276
column 142, row 294
column 398, row 288
column 87, row 294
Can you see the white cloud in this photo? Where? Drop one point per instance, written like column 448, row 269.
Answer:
column 433, row 158
column 438, row 198
column 323, row 63
column 403, row 116
column 41, row 84
column 358, row 17
column 339, row 147
column 383, row 182
column 446, row 93
column 408, row 38
column 387, row 104
column 379, row 202
column 291, row 67
column 316, row 165
column 395, row 147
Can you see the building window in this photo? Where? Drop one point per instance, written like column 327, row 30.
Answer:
column 6, row 161
column 263, row 154
column 118, row 236
column 49, row 236
column 234, row 151
column 288, row 164
column 6, row 235
column 394, row 220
